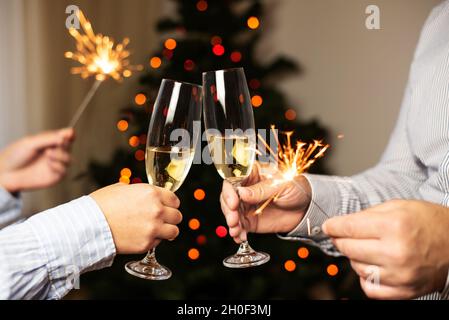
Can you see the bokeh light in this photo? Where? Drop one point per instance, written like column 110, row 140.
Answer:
column 221, row 232
column 216, row 40
column 201, row 240
column 290, row 265
column 155, row 62
column 332, row 270
column 170, row 44
column 253, row 23
column 303, row 253
column 218, row 50
column 134, row 141
column 256, row 101
column 140, row 99
column 122, row 125
column 139, row 155
column 254, row 84
column 236, row 57
column 202, row 5
column 194, row 224
column 199, row 194
column 290, row 115
column 127, row 73
column 126, row 172
column 136, row 180
column 193, row 254
column 189, row 65
column 124, row 180
column 143, row 139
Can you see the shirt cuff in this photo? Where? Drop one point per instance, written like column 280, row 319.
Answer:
column 445, row 293
column 325, row 203
column 75, row 238
column 10, row 208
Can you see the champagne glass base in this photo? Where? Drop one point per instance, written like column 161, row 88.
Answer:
column 148, row 270
column 246, row 257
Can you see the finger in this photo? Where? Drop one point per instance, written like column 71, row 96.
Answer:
column 172, row 216
column 57, row 167
column 259, row 192
column 59, row 155
column 368, row 251
column 231, row 216
column 364, row 225
column 230, row 196
column 168, row 232
column 46, row 139
column 168, row 198
column 384, row 292
column 235, row 231
column 367, row 271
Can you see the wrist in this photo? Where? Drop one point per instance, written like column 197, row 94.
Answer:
column 9, row 183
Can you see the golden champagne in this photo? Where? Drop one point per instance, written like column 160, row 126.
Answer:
column 233, row 156
column 167, row 167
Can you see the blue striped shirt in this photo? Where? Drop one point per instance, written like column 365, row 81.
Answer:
column 42, row 257
column 415, row 164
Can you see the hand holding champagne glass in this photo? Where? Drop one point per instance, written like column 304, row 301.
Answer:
column 230, row 129
column 172, row 138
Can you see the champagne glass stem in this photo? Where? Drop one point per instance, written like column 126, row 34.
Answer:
column 151, row 256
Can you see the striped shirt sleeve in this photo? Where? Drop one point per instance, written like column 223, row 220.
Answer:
column 43, row 257
column 10, row 208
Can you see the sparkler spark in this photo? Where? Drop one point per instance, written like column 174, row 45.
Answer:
column 98, row 58
column 291, row 162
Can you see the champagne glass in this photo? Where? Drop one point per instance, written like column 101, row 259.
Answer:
column 172, row 137
column 230, row 130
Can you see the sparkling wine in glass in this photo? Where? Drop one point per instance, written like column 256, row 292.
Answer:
column 172, row 137
column 230, row 130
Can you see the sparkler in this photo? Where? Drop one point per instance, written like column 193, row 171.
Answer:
column 99, row 59
column 291, row 161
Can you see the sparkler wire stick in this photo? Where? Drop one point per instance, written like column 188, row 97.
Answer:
column 79, row 112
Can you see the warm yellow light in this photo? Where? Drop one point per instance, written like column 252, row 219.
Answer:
column 290, row 265
column 155, row 62
column 134, row 141
column 140, row 99
column 303, row 253
column 126, row 172
column 170, row 44
column 199, row 194
column 332, row 270
column 122, row 125
column 124, row 180
column 194, row 224
column 193, row 254
column 253, row 23
column 256, row 101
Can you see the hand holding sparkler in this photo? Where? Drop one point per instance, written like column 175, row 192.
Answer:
column 99, row 59
column 280, row 216
column 279, row 195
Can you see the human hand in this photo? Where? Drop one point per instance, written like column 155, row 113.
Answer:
column 280, row 216
column 139, row 215
column 404, row 242
column 36, row 162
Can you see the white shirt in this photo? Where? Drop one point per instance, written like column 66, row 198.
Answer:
column 415, row 164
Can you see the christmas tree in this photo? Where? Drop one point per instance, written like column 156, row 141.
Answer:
column 204, row 36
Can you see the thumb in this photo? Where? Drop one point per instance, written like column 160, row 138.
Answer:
column 259, row 192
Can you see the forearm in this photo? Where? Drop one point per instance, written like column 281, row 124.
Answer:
column 42, row 257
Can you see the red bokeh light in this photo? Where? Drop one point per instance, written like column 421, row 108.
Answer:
column 221, row 232
column 218, row 50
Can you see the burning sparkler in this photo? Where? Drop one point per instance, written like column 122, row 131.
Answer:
column 291, row 162
column 99, row 59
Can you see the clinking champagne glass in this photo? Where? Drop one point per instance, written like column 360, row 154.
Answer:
column 172, row 137
column 230, row 129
